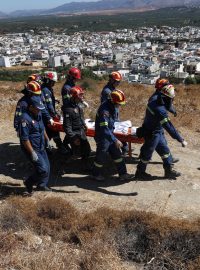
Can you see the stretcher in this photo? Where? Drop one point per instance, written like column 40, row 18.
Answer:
column 124, row 131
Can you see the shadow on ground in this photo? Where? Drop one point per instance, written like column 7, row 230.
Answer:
column 14, row 164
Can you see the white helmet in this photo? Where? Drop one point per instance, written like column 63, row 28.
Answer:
column 168, row 90
column 51, row 75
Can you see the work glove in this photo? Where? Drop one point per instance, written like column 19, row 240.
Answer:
column 184, row 143
column 51, row 122
column 48, row 147
column 85, row 104
column 118, row 144
column 34, row 156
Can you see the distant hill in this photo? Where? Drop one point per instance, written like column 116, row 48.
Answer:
column 3, row 15
column 78, row 7
column 119, row 4
column 31, row 12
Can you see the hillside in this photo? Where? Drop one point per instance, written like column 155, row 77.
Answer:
column 94, row 22
column 86, row 225
column 101, row 5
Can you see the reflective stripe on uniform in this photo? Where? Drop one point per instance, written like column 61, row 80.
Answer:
column 165, row 120
column 18, row 113
column 66, row 96
column 98, row 165
column 102, row 124
column 48, row 100
column 118, row 160
column 165, row 156
column 144, row 161
column 150, row 110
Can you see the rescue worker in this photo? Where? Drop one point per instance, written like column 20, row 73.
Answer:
column 74, row 124
column 105, row 139
column 156, row 120
column 32, row 78
column 160, row 83
column 48, row 98
column 73, row 75
column 33, row 88
column 114, row 80
column 33, row 139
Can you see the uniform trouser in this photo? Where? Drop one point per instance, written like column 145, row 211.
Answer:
column 83, row 150
column 101, row 156
column 55, row 135
column 41, row 174
column 158, row 143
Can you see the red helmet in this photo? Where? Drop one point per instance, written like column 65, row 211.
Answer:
column 35, row 77
column 77, row 92
column 34, row 87
column 118, row 97
column 115, row 75
column 51, row 75
column 160, row 83
column 75, row 73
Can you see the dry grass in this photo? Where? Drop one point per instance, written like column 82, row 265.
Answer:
column 52, row 234
column 187, row 101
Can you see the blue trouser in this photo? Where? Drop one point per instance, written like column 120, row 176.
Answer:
column 158, row 143
column 104, row 147
column 40, row 177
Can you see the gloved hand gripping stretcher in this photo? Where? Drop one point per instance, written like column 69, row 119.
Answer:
column 124, row 131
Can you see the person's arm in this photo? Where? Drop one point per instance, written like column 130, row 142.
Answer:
column 28, row 147
column 168, row 126
column 103, row 124
column 20, row 109
column 24, row 138
column 105, row 94
column 65, row 93
column 67, row 123
column 173, row 110
column 49, row 104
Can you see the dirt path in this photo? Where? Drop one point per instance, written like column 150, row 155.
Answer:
column 179, row 199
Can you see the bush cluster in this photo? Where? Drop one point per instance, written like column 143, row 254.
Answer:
column 102, row 239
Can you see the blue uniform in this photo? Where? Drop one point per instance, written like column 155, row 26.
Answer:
column 49, row 100
column 105, row 139
column 65, row 92
column 21, row 108
column 171, row 109
column 107, row 90
column 105, row 94
column 31, row 129
column 156, row 120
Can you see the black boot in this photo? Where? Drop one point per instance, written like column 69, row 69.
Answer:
column 170, row 173
column 140, row 175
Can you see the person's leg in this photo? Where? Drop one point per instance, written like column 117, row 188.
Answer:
column 85, row 149
column 146, row 153
column 42, row 169
column 174, row 159
column 118, row 159
column 164, row 152
column 100, row 158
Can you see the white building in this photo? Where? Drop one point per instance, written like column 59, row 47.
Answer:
column 5, row 61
